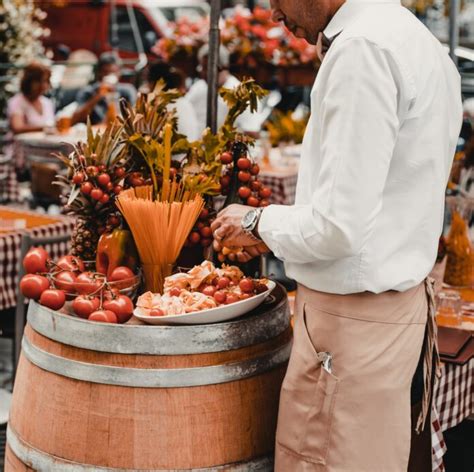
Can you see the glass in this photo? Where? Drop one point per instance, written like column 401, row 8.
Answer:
column 63, row 125
column 448, row 309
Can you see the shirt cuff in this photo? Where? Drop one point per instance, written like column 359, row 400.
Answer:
column 269, row 226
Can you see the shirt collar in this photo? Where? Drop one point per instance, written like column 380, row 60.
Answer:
column 347, row 12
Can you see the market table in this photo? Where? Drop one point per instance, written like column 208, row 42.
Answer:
column 10, row 246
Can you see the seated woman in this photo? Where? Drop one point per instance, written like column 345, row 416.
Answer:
column 174, row 79
column 30, row 110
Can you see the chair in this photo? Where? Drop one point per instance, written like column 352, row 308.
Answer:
column 27, row 241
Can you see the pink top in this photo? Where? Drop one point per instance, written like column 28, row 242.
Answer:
column 18, row 104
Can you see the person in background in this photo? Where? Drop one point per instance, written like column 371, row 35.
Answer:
column 96, row 100
column 29, row 110
column 197, row 95
column 174, row 79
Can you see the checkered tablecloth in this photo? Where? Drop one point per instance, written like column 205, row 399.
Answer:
column 10, row 248
column 453, row 403
column 9, row 188
column 283, row 186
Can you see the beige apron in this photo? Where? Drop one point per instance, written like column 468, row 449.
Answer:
column 354, row 416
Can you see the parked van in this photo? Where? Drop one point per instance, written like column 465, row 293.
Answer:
column 101, row 25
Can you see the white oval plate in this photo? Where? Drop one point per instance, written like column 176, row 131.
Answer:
column 214, row 315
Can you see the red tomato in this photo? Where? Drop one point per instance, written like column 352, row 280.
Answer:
column 96, row 194
column 231, row 298
column 84, row 306
column 35, row 260
column 244, row 176
column 206, row 232
column 118, row 189
column 194, row 237
column 221, row 257
column 226, row 158
column 255, row 169
column 244, row 296
column 265, row 192
column 71, row 263
column 103, row 316
column 103, row 180
column 157, row 312
column 104, row 199
column 175, row 292
column 122, row 306
column 244, row 164
column 225, row 181
column 32, row 286
column 220, row 297
column 255, row 185
column 54, row 299
column 252, row 201
column 204, row 214
column 89, row 283
column 247, row 285
column 119, row 172
column 121, row 273
column 244, row 192
column 66, row 281
column 223, row 282
column 92, row 170
column 86, row 188
column 264, row 203
column 210, row 290
column 206, row 242
column 78, row 178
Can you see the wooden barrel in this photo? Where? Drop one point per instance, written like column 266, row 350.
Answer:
column 97, row 397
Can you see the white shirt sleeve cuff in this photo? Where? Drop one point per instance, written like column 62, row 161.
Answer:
column 270, row 224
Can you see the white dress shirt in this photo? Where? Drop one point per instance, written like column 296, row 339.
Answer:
column 386, row 115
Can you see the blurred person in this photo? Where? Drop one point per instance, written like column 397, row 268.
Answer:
column 174, row 79
column 95, row 100
column 361, row 238
column 30, row 110
column 197, row 95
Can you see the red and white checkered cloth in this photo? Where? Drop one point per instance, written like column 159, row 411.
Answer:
column 10, row 251
column 453, row 403
column 283, row 186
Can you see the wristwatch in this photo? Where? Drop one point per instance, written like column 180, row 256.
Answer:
column 250, row 220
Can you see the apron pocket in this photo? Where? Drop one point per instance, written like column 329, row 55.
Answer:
column 307, row 401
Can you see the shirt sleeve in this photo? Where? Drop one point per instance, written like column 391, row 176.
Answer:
column 359, row 126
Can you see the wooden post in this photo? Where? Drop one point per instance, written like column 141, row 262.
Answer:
column 213, row 66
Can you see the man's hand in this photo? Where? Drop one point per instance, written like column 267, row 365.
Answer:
column 228, row 232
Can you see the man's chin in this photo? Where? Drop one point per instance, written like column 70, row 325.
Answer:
column 302, row 34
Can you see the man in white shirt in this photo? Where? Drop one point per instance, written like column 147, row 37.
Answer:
column 362, row 236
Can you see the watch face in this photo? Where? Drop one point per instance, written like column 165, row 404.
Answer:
column 248, row 220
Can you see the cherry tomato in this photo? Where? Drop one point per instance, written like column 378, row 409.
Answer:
column 52, row 298
column 255, row 169
column 220, row 297
column 175, row 292
column 206, row 232
column 247, row 285
column 221, row 257
column 173, row 173
column 194, row 237
column 86, row 188
column 231, row 298
column 66, row 281
column 264, row 203
column 255, row 185
column 244, row 163
column 71, row 263
column 244, row 176
column 244, row 192
column 122, row 274
column 92, row 170
column 118, row 189
column 210, row 290
column 225, row 181
column 244, row 296
column 103, row 180
column 157, row 312
column 36, row 260
column 223, row 282
column 78, row 178
column 206, row 242
column 122, row 306
column 252, row 201
column 265, row 192
column 226, row 158
column 110, row 186
column 96, row 194
column 89, row 282
column 83, row 306
column 204, row 214
column 101, row 168
column 104, row 199
column 32, row 286
column 137, row 182
column 119, row 172
column 103, row 316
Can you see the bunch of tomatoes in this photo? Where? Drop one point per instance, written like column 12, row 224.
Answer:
column 93, row 296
